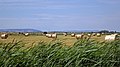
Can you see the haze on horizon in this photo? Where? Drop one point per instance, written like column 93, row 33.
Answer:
column 60, row 14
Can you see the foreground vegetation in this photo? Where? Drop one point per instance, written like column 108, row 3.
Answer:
column 84, row 53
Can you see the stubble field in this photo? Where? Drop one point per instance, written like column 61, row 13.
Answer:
column 68, row 40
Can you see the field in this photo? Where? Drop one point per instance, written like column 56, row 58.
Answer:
column 68, row 40
column 66, row 51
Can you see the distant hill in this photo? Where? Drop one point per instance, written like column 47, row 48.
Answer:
column 19, row 30
column 83, row 31
column 77, row 31
column 34, row 30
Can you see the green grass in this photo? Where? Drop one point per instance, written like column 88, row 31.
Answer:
column 83, row 53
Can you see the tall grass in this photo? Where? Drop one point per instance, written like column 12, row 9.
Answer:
column 84, row 53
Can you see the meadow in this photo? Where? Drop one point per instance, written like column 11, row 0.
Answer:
column 66, row 51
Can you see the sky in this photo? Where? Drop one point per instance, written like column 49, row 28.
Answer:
column 50, row 15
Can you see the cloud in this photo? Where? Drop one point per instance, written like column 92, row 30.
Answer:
column 6, row 1
column 109, row 1
column 56, row 21
column 43, row 4
column 68, row 18
column 23, row 19
column 50, row 16
column 54, row 17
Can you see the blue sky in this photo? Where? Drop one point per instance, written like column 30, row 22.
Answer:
column 60, row 14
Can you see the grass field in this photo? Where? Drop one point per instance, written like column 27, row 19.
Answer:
column 68, row 40
column 40, row 51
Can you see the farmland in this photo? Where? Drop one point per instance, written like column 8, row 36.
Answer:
column 65, row 51
column 68, row 40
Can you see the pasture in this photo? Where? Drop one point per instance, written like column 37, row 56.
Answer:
column 68, row 40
